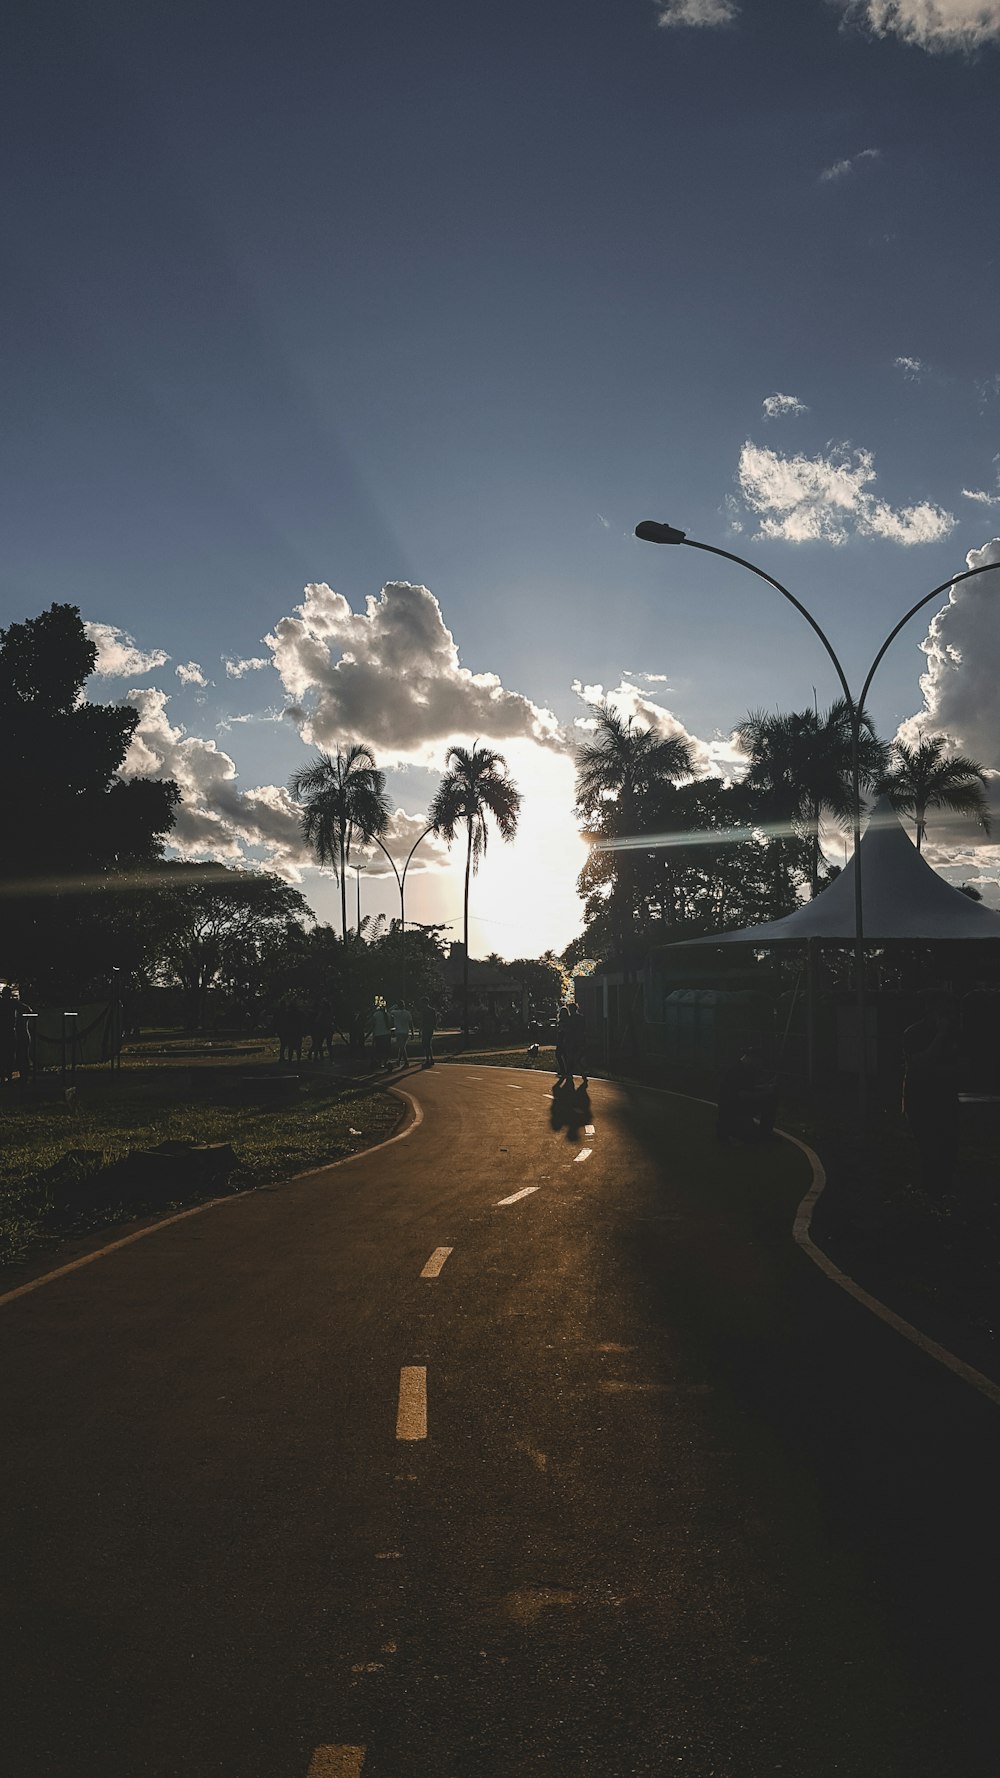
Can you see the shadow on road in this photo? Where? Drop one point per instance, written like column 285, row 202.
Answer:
column 570, row 1109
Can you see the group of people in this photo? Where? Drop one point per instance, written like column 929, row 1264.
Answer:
column 392, row 1028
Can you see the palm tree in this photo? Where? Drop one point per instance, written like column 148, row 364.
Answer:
column 621, row 763
column 800, row 764
column 475, row 785
column 925, row 777
column 343, row 795
column 618, row 772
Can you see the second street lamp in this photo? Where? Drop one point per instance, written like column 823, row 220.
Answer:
column 652, row 531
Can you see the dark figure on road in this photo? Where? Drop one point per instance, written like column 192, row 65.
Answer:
column 321, row 1032
column 561, row 1026
column 290, row 1028
column 402, row 1026
column 747, row 1101
column 574, row 1046
column 428, row 1021
column 382, row 1035
column 930, row 1091
column 8, row 1034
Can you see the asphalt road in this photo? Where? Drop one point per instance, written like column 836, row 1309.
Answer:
column 681, row 1506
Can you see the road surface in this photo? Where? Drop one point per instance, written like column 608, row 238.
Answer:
column 511, row 1448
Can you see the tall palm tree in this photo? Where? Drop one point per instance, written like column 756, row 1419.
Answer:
column 343, row 796
column 475, row 785
column 618, row 772
column 800, row 764
column 925, row 777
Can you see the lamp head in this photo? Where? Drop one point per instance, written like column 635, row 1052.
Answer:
column 651, row 531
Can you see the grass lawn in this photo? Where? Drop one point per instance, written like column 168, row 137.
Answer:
column 151, row 1101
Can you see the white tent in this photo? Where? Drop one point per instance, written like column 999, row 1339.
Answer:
column 903, row 898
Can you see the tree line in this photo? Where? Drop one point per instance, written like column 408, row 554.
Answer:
column 680, row 855
column 85, row 887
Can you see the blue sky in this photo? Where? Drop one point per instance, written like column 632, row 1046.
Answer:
column 453, row 296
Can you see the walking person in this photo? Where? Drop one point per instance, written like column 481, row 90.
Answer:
column 402, row 1025
column 428, row 1021
column 382, row 1032
column 574, row 1046
column 562, row 1024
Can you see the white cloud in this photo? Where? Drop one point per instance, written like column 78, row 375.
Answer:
column 117, row 654
column 913, row 369
column 961, row 682
column 826, row 499
column 189, row 673
column 696, row 12
column 961, row 699
column 841, row 168
column 238, row 669
column 937, row 25
column 392, row 674
column 775, row 406
column 980, row 495
column 718, row 758
column 215, row 819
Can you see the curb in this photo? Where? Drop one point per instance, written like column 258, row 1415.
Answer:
column 164, row 1222
column 803, row 1239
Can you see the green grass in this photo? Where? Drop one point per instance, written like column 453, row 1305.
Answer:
column 142, row 1107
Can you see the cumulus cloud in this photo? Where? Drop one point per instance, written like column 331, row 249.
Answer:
column 827, row 498
column 118, row 657
column 239, row 669
column 775, row 406
column 705, row 13
column 189, row 673
column 913, row 369
column 215, row 819
column 849, row 164
column 718, row 758
column 935, row 25
column 392, row 673
column 961, row 699
column 961, row 682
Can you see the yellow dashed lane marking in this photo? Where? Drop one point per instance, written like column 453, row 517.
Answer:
column 336, row 1762
column 525, row 1192
column 411, row 1415
column 433, row 1267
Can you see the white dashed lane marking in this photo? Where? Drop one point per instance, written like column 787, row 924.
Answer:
column 433, row 1267
column 588, row 1129
column 584, row 1154
column 525, row 1192
column 336, row 1762
column 411, row 1414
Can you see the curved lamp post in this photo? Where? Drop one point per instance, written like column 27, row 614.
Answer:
column 401, row 885
column 650, row 531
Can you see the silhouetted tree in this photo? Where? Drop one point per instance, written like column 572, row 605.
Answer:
column 926, row 777
column 75, row 832
column 218, row 927
column 800, row 765
column 475, row 786
column 344, row 798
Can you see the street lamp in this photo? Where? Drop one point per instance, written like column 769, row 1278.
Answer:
column 401, row 885
column 651, row 531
